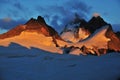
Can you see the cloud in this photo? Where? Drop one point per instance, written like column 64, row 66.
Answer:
column 55, row 22
column 7, row 19
column 8, row 23
column 14, row 9
column 2, row 31
column 64, row 13
column 18, row 5
column 79, row 5
column 20, row 10
column 57, row 15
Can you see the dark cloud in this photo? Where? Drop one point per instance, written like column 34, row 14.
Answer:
column 56, row 15
column 8, row 23
column 14, row 9
column 64, row 13
column 18, row 5
column 20, row 9
column 54, row 22
column 79, row 6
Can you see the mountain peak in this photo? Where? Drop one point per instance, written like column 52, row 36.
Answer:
column 96, row 22
column 40, row 19
column 37, row 25
column 95, row 36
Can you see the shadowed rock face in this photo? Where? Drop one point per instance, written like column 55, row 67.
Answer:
column 95, row 23
column 39, row 25
column 118, row 34
column 114, row 44
column 87, row 27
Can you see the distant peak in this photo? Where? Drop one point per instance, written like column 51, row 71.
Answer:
column 40, row 19
column 96, row 15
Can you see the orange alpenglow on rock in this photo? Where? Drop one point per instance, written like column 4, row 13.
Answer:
column 79, row 37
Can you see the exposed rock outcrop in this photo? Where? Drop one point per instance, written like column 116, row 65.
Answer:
column 114, row 43
column 80, row 37
column 37, row 25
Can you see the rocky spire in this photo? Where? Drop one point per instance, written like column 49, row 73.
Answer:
column 95, row 23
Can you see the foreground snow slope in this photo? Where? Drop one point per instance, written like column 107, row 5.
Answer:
column 19, row 63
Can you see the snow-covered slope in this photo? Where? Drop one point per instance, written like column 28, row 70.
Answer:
column 81, row 29
column 26, row 52
column 93, row 43
column 32, row 39
column 76, row 38
column 95, row 39
column 35, row 33
column 74, row 31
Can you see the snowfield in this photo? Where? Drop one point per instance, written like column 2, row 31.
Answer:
column 32, row 39
column 20, row 63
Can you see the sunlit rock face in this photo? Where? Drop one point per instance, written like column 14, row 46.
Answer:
column 93, row 37
column 95, row 42
column 100, row 42
column 33, row 25
column 38, row 25
column 78, row 37
column 83, row 34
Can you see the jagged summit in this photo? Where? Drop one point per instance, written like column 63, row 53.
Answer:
column 95, row 23
column 38, row 25
column 95, row 36
column 80, row 29
column 39, row 19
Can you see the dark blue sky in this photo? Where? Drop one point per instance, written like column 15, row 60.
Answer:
column 56, row 12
